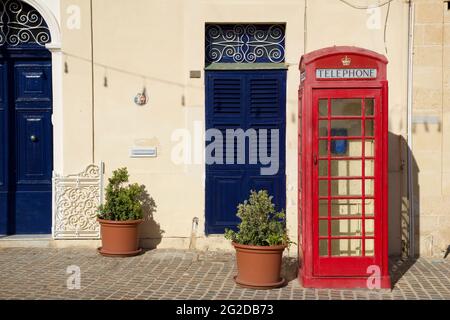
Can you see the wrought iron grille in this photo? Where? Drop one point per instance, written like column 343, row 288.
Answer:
column 76, row 198
column 252, row 43
column 22, row 25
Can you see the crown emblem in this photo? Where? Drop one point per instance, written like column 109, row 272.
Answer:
column 346, row 61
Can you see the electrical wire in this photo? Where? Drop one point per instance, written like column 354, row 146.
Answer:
column 387, row 2
column 305, row 31
column 354, row 6
column 122, row 71
column 385, row 26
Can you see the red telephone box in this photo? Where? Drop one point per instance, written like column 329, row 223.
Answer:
column 343, row 169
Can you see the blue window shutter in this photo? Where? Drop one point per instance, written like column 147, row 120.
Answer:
column 264, row 97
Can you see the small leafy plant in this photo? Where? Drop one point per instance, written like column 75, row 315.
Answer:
column 261, row 225
column 122, row 202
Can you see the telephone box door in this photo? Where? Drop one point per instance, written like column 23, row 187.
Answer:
column 346, row 189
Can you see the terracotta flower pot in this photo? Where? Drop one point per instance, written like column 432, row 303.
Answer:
column 119, row 238
column 259, row 267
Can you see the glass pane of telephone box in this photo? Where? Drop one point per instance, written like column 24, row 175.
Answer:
column 323, row 148
column 369, row 168
column 323, row 128
column 370, row 128
column 323, row 108
column 323, row 208
column 323, row 188
column 346, row 228
column 370, row 207
column 352, row 127
column 350, row 208
column 323, row 168
column 323, row 248
column 346, row 208
column 346, row 188
column 346, row 168
column 354, row 148
column 370, row 248
column 370, row 227
column 370, row 107
column 323, row 228
column 369, row 188
column 369, row 148
column 346, row 107
column 346, row 247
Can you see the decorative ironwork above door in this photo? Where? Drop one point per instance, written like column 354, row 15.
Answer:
column 249, row 43
column 22, row 25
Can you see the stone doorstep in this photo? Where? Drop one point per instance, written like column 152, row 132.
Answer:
column 27, row 241
column 44, row 241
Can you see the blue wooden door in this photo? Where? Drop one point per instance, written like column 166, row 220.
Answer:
column 244, row 100
column 26, row 135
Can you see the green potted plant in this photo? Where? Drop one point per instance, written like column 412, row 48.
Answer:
column 260, row 242
column 120, row 216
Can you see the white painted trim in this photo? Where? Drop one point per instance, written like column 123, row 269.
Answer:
column 57, row 85
column 57, row 117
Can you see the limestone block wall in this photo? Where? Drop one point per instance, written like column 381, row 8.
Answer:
column 431, row 126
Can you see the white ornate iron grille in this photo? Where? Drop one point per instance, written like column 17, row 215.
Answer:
column 249, row 43
column 22, row 25
column 76, row 199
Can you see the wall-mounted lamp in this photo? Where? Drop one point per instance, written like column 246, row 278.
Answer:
column 141, row 98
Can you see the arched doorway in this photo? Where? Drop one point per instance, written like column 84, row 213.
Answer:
column 26, row 131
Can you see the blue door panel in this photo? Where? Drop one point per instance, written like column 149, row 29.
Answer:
column 34, row 149
column 32, row 212
column 275, row 185
column 266, row 140
column 226, row 194
column 32, row 83
column 244, row 100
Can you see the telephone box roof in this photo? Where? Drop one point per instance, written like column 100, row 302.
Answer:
column 335, row 50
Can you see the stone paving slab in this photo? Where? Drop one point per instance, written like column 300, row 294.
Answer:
column 171, row 274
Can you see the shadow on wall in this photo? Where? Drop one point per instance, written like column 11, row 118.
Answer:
column 151, row 232
column 403, row 230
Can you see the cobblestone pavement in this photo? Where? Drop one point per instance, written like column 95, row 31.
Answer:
column 170, row 274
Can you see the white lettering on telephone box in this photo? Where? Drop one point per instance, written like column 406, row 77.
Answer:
column 346, row 73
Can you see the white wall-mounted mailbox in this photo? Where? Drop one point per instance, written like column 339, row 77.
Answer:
column 143, row 152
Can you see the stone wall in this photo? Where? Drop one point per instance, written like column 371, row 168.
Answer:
column 431, row 125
